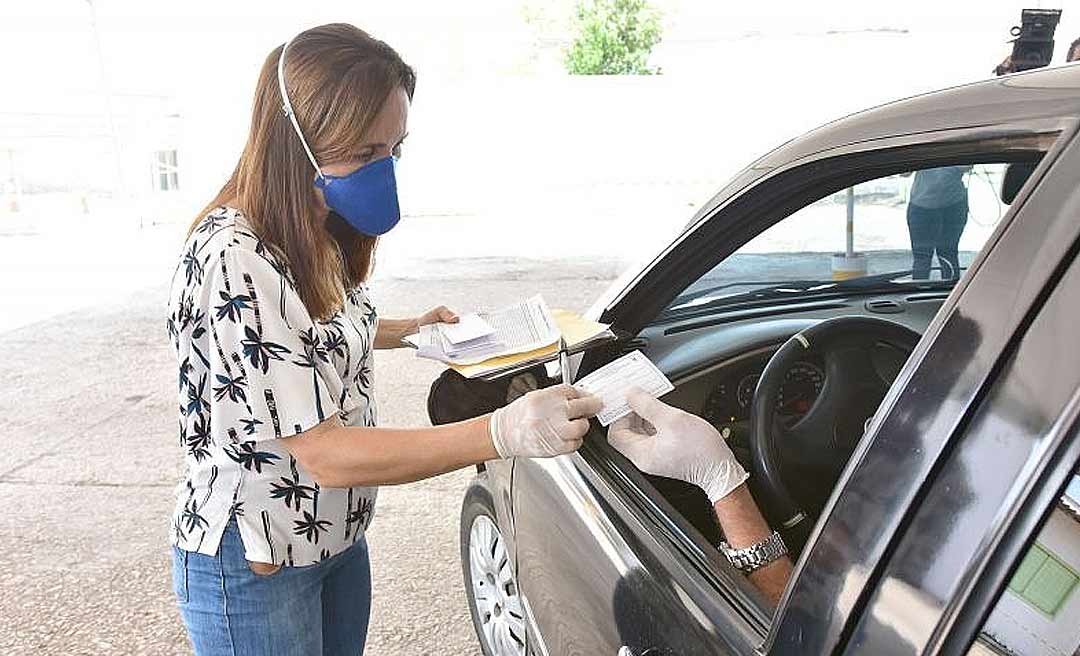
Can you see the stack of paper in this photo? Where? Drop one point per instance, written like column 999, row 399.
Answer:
column 580, row 335
column 471, row 337
column 519, row 328
column 520, row 336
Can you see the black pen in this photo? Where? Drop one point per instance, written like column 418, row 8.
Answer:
column 564, row 361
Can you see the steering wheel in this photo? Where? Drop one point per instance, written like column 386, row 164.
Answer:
column 811, row 453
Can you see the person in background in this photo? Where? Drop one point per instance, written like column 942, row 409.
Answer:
column 1073, row 53
column 936, row 215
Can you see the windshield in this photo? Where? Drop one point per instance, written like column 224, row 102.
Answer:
column 919, row 229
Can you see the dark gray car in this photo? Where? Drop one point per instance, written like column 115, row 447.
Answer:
column 911, row 437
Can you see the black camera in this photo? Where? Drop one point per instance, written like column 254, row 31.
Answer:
column 1034, row 43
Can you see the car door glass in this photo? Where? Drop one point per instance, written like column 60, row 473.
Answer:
column 1038, row 613
column 920, row 227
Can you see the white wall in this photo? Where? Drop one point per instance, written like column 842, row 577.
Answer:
column 507, row 155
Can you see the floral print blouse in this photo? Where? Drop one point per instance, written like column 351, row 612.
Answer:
column 253, row 366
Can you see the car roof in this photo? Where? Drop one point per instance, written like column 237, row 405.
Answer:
column 1045, row 93
column 1041, row 93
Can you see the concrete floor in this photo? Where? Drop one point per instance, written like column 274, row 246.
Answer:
column 87, row 415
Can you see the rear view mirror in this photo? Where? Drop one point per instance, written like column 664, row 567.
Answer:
column 1013, row 181
column 454, row 398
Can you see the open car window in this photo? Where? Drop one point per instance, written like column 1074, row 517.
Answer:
column 913, row 231
column 916, row 230
column 920, row 228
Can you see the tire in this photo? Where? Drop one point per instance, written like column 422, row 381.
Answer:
column 490, row 587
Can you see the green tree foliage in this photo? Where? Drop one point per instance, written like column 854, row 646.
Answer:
column 614, row 37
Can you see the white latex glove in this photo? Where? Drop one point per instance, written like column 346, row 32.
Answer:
column 547, row 422
column 666, row 441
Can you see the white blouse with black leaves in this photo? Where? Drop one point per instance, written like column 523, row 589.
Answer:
column 253, row 367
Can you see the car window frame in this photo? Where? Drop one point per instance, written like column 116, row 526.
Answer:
column 815, row 179
column 1055, row 470
column 763, row 203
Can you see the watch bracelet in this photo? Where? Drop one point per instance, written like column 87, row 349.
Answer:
column 754, row 557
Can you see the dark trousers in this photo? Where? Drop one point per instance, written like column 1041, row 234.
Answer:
column 936, row 230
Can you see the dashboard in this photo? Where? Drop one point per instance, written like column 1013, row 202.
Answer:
column 716, row 362
column 731, row 394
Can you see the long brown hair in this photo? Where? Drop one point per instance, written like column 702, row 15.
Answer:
column 338, row 78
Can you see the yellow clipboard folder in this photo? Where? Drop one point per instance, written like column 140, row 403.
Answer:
column 580, row 334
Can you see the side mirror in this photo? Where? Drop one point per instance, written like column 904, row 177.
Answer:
column 1015, row 176
column 454, row 398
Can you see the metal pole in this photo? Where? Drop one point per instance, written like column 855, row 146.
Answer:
column 850, row 221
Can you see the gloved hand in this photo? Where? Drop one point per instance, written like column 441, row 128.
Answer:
column 666, row 441
column 547, row 422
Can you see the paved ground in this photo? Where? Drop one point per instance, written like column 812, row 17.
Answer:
column 89, row 464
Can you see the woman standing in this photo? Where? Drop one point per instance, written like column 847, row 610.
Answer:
column 936, row 215
column 274, row 333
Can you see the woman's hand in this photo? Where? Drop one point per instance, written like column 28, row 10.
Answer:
column 390, row 332
column 666, row 441
column 547, row 422
column 441, row 314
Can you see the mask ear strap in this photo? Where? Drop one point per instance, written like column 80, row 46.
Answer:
column 287, row 110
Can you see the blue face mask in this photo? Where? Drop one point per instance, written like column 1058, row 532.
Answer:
column 366, row 198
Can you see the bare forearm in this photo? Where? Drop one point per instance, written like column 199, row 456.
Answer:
column 390, row 332
column 743, row 526
column 346, row 456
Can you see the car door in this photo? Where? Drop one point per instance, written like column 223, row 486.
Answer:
column 1014, row 445
column 604, row 565
column 601, row 575
column 878, row 530
column 1016, row 449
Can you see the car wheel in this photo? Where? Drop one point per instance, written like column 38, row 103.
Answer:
column 494, row 600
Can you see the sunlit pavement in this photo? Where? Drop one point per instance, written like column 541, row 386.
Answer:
column 87, row 412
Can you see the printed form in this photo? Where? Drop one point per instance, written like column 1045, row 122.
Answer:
column 518, row 328
column 525, row 326
column 612, row 381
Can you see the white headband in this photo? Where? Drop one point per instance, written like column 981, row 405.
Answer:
column 286, row 107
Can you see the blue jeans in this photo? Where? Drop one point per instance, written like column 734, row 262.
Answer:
column 297, row 611
column 939, row 230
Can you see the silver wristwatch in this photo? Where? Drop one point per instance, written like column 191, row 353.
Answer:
column 756, row 556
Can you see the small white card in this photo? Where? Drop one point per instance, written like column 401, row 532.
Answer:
column 468, row 328
column 612, row 381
